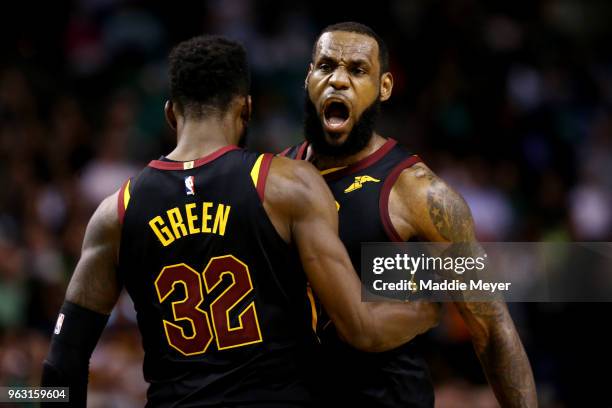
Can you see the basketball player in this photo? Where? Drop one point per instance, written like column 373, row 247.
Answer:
column 386, row 193
column 208, row 243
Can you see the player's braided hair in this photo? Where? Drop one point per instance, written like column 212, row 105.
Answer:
column 354, row 27
column 206, row 73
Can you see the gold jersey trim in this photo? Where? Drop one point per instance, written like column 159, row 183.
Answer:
column 126, row 195
column 255, row 170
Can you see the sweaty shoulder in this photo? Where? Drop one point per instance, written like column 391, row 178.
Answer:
column 292, row 188
column 104, row 225
column 422, row 205
column 104, row 228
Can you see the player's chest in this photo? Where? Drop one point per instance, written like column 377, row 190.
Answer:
column 368, row 208
column 358, row 199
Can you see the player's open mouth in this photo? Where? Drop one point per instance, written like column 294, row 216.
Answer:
column 336, row 115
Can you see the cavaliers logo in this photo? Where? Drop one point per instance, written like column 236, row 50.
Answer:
column 359, row 181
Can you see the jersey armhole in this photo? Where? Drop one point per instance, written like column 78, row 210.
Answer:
column 296, row 152
column 301, row 153
column 284, row 152
column 386, row 192
column 259, row 173
column 123, row 200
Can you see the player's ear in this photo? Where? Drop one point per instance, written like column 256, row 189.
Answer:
column 386, row 86
column 308, row 76
column 169, row 113
column 247, row 109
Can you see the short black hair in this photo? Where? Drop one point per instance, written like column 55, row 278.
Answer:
column 206, row 73
column 354, row 27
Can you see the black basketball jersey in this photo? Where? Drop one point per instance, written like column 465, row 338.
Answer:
column 399, row 377
column 219, row 296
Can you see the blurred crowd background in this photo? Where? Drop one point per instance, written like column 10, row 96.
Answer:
column 510, row 102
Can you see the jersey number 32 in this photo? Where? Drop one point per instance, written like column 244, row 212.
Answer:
column 188, row 309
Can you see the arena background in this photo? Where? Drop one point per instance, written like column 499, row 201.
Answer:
column 510, row 102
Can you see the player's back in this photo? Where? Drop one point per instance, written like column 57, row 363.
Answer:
column 220, row 297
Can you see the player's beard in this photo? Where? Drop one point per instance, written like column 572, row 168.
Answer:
column 357, row 140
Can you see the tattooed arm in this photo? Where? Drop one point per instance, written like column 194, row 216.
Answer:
column 437, row 213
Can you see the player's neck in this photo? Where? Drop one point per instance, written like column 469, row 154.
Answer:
column 328, row 162
column 199, row 138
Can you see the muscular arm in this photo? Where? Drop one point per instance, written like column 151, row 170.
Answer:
column 441, row 215
column 90, row 297
column 94, row 284
column 303, row 211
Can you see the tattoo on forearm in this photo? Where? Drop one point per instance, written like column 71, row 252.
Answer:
column 502, row 355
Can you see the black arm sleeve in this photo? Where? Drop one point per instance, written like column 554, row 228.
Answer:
column 67, row 365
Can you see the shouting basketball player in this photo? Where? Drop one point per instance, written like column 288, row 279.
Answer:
column 385, row 193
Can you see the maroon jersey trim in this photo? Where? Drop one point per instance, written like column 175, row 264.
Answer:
column 263, row 175
column 363, row 163
column 284, row 152
column 163, row 165
column 301, row 151
column 386, row 192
